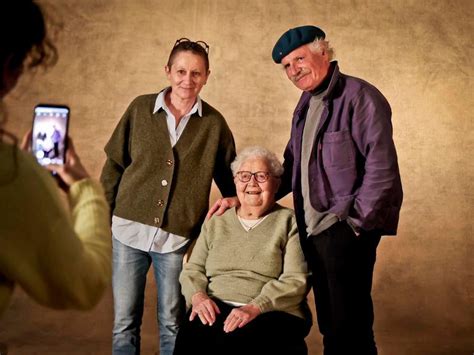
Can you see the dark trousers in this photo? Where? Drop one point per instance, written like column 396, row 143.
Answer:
column 342, row 266
column 269, row 333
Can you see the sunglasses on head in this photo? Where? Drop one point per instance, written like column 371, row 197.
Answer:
column 191, row 44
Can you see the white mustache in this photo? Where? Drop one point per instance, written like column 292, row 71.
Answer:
column 298, row 76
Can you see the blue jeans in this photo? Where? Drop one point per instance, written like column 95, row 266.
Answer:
column 130, row 267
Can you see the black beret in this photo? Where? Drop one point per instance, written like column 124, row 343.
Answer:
column 294, row 38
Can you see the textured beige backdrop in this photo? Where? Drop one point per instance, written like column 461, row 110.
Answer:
column 418, row 53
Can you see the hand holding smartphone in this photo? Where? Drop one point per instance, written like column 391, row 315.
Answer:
column 49, row 134
column 52, row 147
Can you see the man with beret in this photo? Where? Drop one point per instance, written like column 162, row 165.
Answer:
column 341, row 165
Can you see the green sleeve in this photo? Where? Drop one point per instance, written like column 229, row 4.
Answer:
column 118, row 157
column 61, row 260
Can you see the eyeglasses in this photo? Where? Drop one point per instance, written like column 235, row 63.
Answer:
column 192, row 44
column 245, row 176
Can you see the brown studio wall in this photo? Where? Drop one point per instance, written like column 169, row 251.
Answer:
column 418, row 53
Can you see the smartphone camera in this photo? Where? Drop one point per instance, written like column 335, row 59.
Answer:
column 49, row 135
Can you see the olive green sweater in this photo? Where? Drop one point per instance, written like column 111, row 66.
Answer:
column 264, row 266
column 148, row 181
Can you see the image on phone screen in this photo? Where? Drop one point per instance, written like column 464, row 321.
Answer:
column 49, row 135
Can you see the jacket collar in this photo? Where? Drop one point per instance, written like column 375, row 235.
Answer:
column 334, row 78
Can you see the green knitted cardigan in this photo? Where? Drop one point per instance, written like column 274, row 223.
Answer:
column 148, row 181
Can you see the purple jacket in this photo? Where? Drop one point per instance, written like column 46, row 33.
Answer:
column 353, row 171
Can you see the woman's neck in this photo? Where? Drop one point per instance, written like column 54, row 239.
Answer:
column 252, row 212
column 179, row 107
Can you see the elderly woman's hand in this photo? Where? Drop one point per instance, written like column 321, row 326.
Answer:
column 204, row 308
column 241, row 316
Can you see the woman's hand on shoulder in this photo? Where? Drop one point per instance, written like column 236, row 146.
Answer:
column 221, row 205
column 241, row 316
column 204, row 307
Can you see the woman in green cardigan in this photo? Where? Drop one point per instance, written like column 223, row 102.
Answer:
column 246, row 280
column 161, row 160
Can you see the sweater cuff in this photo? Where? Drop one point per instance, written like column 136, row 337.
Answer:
column 188, row 295
column 86, row 186
column 263, row 303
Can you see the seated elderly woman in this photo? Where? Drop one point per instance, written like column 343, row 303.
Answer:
column 246, row 279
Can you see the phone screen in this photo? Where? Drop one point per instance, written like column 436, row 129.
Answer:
column 49, row 135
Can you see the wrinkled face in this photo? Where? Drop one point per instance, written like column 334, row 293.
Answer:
column 187, row 75
column 253, row 193
column 306, row 69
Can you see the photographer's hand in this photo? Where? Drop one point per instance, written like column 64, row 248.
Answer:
column 72, row 171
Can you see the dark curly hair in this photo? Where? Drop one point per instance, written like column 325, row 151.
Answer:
column 23, row 37
column 23, row 44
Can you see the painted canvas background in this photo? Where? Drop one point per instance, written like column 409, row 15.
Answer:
column 418, row 53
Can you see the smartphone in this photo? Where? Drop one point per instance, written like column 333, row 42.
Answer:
column 49, row 135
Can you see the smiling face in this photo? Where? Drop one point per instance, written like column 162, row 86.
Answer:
column 305, row 68
column 253, row 194
column 187, row 75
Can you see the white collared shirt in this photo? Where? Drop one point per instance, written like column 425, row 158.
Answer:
column 142, row 236
column 175, row 132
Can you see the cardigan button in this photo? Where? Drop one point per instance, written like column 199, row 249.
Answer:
column 157, row 220
column 169, row 162
column 161, row 203
column 164, row 183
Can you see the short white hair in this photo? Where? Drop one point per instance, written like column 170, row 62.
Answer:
column 319, row 45
column 276, row 169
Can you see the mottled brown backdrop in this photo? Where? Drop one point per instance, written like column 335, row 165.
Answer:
column 418, row 53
